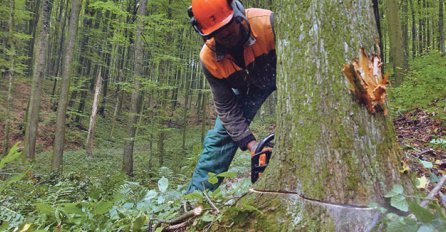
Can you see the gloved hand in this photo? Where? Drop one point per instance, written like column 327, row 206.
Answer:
column 252, row 146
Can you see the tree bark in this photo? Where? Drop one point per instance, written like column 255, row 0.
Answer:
column 414, row 31
column 396, row 40
column 420, row 29
column 39, row 61
column 441, row 27
column 59, row 139
column 127, row 164
column 10, row 76
column 94, row 110
column 405, row 31
column 331, row 156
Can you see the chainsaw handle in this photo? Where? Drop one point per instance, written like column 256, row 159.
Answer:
column 256, row 168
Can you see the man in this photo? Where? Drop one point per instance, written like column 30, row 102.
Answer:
column 239, row 62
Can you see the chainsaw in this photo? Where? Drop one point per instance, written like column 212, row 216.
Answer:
column 260, row 159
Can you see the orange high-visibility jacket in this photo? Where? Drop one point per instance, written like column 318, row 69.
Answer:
column 224, row 75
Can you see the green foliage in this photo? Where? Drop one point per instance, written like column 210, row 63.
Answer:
column 424, row 87
column 430, row 218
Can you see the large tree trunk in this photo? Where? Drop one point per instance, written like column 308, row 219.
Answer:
column 59, row 139
column 127, row 163
column 332, row 157
column 39, row 61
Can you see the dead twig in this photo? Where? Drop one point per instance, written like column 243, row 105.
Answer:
column 211, row 203
column 442, row 199
column 177, row 226
column 182, row 218
column 434, row 191
column 429, row 150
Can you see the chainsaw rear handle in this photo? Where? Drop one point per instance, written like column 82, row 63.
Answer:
column 256, row 168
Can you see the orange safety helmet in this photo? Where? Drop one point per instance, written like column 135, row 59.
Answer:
column 209, row 16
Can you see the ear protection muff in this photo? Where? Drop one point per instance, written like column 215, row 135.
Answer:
column 238, row 15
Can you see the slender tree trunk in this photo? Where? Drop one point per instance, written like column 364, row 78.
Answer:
column 127, row 165
column 414, row 31
column 59, row 52
column 33, row 6
column 378, row 25
column 10, row 76
column 396, row 38
column 405, row 30
column 420, row 29
column 187, row 85
column 331, row 156
column 39, row 61
column 441, row 28
column 428, row 25
column 59, row 139
column 94, row 110
column 118, row 102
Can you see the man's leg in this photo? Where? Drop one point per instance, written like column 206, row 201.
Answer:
column 219, row 149
column 218, row 152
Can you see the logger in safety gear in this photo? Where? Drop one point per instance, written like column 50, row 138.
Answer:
column 239, row 62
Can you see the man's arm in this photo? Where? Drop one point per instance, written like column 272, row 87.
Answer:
column 230, row 113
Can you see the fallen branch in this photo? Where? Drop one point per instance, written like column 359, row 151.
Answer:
column 177, row 226
column 429, row 150
column 181, row 219
column 442, row 199
column 434, row 191
column 211, row 203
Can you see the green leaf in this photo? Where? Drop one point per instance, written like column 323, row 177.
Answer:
column 193, row 195
column 72, row 208
column 213, row 180
column 227, row 174
column 407, row 225
column 421, row 213
column 207, row 217
column 163, row 183
column 139, row 222
column 159, row 229
column 426, row 164
column 12, row 155
column 399, row 202
column 44, row 208
column 102, row 207
column 426, row 228
column 396, row 190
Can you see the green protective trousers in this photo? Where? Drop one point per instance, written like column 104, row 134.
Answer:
column 219, row 148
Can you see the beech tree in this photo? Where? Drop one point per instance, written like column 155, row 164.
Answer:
column 39, row 61
column 127, row 163
column 59, row 139
column 332, row 156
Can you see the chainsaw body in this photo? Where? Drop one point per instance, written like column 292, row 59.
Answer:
column 260, row 159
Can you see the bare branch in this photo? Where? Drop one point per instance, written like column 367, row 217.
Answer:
column 434, row 191
column 211, row 203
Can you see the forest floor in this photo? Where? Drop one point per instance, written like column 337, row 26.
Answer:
column 422, row 137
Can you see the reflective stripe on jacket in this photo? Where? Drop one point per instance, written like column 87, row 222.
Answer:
column 223, row 74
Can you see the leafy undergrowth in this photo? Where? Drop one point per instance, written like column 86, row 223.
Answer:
column 102, row 202
column 419, row 109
